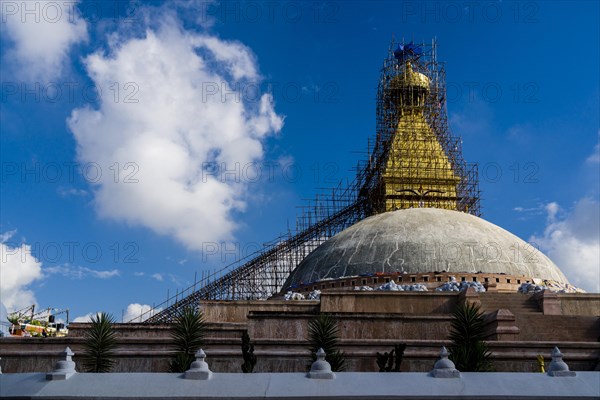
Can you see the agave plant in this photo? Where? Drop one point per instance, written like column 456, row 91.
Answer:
column 324, row 333
column 187, row 337
column 99, row 344
column 468, row 350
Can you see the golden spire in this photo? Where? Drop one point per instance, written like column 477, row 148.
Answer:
column 418, row 172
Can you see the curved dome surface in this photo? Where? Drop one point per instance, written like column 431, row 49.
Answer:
column 422, row 240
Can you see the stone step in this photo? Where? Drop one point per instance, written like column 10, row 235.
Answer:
column 520, row 312
column 515, row 308
column 507, row 306
column 510, row 308
column 501, row 305
column 508, row 300
column 516, row 303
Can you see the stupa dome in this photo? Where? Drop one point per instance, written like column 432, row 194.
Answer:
column 424, row 240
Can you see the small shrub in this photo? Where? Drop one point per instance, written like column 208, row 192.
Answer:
column 468, row 351
column 324, row 333
column 99, row 344
column 187, row 337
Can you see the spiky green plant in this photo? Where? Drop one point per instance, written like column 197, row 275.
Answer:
column 324, row 333
column 187, row 337
column 99, row 344
column 468, row 351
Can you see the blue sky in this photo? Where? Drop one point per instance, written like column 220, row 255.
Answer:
column 114, row 114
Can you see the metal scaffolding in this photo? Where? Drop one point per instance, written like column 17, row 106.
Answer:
column 414, row 161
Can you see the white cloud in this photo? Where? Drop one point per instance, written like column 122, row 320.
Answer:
column 86, row 317
column 572, row 241
column 526, row 213
column 536, row 210
column 138, row 312
column 163, row 140
column 3, row 318
column 594, row 158
column 78, row 272
column 552, row 209
column 71, row 192
column 160, row 277
column 7, row 235
column 18, row 269
column 103, row 274
column 42, row 33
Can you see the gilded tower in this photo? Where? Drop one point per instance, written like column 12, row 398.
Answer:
column 418, row 173
column 418, row 162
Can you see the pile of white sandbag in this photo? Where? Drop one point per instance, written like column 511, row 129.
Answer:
column 530, row 288
column 392, row 286
column 293, row 296
column 552, row 286
column 314, row 295
column 454, row 286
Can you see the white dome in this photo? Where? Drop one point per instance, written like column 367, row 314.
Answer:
column 423, row 240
